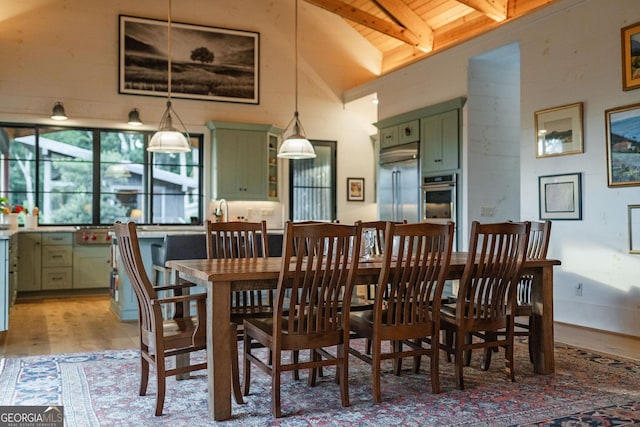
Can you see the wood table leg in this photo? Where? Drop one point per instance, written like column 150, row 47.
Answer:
column 542, row 323
column 218, row 351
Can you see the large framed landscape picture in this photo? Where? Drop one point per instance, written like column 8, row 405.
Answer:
column 623, row 145
column 207, row 63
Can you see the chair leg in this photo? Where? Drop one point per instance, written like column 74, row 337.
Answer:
column 416, row 359
column 144, row 375
column 235, row 370
column 467, row 354
column 343, row 370
column 397, row 363
column 459, row 346
column 486, row 362
column 162, row 386
column 375, row 372
column 448, row 339
column 508, row 358
column 276, row 411
column 313, row 372
column 246, row 380
column 435, row 363
column 295, row 356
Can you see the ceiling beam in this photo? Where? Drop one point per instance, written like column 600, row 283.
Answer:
column 494, row 9
column 407, row 17
column 422, row 39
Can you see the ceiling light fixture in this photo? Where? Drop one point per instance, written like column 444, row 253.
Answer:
column 58, row 112
column 168, row 139
column 134, row 118
column 296, row 146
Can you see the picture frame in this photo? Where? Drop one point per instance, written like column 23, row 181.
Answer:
column 630, row 56
column 207, row 63
column 634, row 229
column 560, row 196
column 623, row 145
column 559, row 130
column 355, row 189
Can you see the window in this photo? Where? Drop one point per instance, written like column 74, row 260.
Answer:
column 313, row 185
column 98, row 176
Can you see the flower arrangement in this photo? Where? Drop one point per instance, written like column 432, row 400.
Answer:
column 5, row 208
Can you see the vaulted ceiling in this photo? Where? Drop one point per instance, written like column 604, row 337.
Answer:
column 405, row 31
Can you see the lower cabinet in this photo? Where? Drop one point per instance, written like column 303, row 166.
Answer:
column 91, row 266
column 49, row 261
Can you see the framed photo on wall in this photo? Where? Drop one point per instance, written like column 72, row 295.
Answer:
column 559, row 130
column 560, row 196
column 355, row 189
column 207, row 63
column 631, row 56
column 623, row 145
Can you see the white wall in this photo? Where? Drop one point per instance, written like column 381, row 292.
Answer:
column 68, row 51
column 569, row 52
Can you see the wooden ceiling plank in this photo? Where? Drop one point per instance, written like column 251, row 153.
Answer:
column 354, row 14
column 400, row 12
column 494, row 9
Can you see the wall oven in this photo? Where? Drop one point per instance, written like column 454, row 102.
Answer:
column 439, row 198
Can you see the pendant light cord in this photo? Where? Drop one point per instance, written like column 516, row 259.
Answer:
column 296, row 58
column 169, row 53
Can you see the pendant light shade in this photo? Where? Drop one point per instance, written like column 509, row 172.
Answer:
column 168, row 139
column 58, row 112
column 296, row 146
column 134, row 118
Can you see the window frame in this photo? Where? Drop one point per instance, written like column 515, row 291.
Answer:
column 96, row 135
column 333, row 146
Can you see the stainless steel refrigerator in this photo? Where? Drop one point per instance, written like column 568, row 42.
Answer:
column 399, row 183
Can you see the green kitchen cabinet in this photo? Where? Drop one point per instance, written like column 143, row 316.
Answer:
column 244, row 160
column 440, row 142
column 403, row 133
column 30, row 262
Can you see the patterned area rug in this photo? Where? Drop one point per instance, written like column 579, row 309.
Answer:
column 100, row 389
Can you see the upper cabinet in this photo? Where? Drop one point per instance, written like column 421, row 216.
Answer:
column 400, row 134
column 244, row 160
column 436, row 127
column 440, row 142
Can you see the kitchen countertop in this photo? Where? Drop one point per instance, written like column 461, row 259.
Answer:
column 144, row 231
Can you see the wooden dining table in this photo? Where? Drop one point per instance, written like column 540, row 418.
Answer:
column 222, row 276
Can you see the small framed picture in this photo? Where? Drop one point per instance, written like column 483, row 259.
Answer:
column 631, row 56
column 559, row 131
column 623, row 145
column 355, row 189
column 560, row 196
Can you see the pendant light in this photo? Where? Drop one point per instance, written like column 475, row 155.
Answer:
column 168, row 139
column 296, row 146
column 134, row 118
column 58, row 112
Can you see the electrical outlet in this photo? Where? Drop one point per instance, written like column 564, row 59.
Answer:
column 487, row 211
column 579, row 290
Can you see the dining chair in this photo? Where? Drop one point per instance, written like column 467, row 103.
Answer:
column 318, row 268
column 238, row 239
column 536, row 249
column 160, row 339
column 407, row 299
column 486, row 294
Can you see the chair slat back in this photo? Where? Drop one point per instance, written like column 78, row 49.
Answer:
column 317, row 270
column 489, row 286
column 537, row 249
column 129, row 247
column 413, row 277
column 237, row 239
column 241, row 240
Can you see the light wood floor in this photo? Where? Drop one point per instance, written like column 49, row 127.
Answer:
column 78, row 323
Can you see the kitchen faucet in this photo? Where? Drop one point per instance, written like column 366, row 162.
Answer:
column 219, row 214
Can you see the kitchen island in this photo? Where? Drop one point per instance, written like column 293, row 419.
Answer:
column 123, row 299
